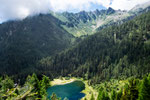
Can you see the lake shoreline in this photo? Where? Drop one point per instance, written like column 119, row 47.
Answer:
column 62, row 81
column 88, row 91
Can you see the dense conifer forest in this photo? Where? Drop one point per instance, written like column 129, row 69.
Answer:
column 114, row 52
column 34, row 88
column 115, row 61
column 24, row 43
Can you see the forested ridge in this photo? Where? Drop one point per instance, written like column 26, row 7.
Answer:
column 23, row 43
column 114, row 52
column 133, row 89
column 115, row 61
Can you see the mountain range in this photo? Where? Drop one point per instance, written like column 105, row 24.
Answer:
column 77, row 43
column 118, row 51
column 87, row 23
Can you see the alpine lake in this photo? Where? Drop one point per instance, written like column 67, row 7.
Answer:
column 70, row 91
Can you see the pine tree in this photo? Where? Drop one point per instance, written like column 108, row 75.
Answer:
column 103, row 95
column 92, row 97
column 54, row 97
column 7, row 83
column 119, row 94
column 113, row 95
column 144, row 92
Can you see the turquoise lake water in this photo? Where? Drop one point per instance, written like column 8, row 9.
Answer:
column 71, row 90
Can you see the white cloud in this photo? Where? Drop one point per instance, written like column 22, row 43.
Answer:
column 63, row 5
column 126, row 4
column 19, row 9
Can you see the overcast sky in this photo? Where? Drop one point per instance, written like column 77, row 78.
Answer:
column 19, row 9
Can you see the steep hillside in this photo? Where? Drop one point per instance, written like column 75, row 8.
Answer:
column 24, row 42
column 114, row 52
column 122, row 16
column 140, row 8
column 87, row 23
column 84, row 23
